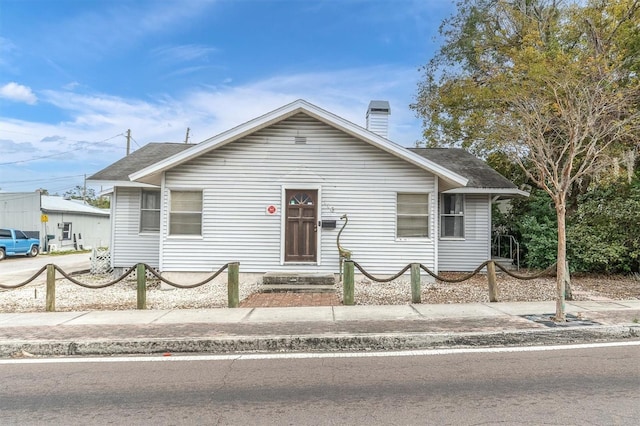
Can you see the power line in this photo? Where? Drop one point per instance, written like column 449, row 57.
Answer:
column 61, row 153
column 63, row 187
column 135, row 141
column 19, row 195
column 41, row 180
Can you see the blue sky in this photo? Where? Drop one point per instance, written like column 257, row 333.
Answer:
column 75, row 75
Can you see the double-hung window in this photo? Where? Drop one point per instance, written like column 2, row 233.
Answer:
column 452, row 216
column 150, row 211
column 412, row 216
column 66, row 231
column 185, row 213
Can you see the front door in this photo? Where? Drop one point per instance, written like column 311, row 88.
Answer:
column 301, row 225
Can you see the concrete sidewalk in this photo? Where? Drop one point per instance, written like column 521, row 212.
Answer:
column 321, row 328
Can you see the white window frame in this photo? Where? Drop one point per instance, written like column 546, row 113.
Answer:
column 426, row 215
column 459, row 214
column 171, row 214
column 143, row 209
column 66, row 230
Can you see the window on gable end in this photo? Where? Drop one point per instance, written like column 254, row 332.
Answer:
column 412, row 216
column 185, row 215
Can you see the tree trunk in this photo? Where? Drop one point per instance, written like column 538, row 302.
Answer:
column 568, row 294
column 561, row 210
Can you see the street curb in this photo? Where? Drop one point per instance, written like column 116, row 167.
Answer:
column 318, row 342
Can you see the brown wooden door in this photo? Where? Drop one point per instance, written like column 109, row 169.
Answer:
column 301, row 227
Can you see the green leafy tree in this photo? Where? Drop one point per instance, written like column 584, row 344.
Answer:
column 79, row 193
column 603, row 233
column 553, row 85
column 87, row 194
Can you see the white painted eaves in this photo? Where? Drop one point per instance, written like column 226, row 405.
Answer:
column 108, row 185
column 152, row 173
column 501, row 191
column 125, row 183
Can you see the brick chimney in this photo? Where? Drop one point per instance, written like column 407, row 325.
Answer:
column 378, row 118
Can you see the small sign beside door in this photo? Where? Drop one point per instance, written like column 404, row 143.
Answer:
column 271, row 210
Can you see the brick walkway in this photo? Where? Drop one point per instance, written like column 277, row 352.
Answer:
column 282, row 300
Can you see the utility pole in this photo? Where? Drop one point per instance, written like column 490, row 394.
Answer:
column 186, row 139
column 84, row 191
column 128, row 141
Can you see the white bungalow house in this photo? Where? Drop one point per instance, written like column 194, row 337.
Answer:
column 271, row 192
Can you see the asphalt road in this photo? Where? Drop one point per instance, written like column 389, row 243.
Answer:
column 598, row 386
column 16, row 269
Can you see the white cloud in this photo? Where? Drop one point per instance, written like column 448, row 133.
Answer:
column 94, row 135
column 345, row 92
column 71, row 86
column 210, row 110
column 120, row 25
column 7, row 48
column 18, row 93
column 183, row 53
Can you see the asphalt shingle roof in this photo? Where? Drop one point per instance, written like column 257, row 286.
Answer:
column 458, row 160
column 138, row 160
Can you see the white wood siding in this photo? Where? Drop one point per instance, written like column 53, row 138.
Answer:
column 95, row 230
column 378, row 123
column 474, row 249
column 241, row 179
column 129, row 246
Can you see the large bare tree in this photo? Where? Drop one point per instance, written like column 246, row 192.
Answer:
column 553, row 84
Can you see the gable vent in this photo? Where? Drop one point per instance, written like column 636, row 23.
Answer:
column 300, row 140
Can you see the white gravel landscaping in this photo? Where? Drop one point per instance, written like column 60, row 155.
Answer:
column 71, row 297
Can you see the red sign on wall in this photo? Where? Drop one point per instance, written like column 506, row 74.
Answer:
column 271, row 209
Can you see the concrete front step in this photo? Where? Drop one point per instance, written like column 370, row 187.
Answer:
column 294, row 278
column 292, row 288
column 295, row 282
column 505, row 263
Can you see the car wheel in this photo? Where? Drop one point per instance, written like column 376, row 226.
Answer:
column 2, row 255
column 34, row 251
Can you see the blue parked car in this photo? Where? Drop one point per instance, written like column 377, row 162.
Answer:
column 14, row 242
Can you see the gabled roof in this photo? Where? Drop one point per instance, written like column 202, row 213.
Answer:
column 50, row 204
column 118, row 172
column 482, row 178
column 152, row 172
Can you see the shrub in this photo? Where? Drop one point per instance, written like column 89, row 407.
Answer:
column 532, row 221
column 540, row 241
column 603, row 233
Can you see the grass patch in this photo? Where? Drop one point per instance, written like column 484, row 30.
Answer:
column 65, row 252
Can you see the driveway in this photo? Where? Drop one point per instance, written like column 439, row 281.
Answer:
column 14, row 270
